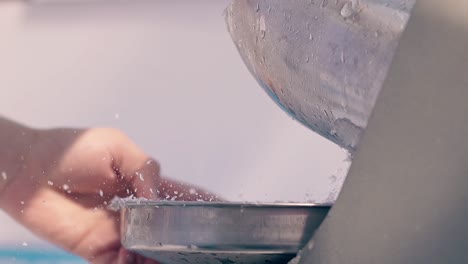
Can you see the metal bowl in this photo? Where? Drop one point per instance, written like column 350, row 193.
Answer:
column 218, row 232
column 321, row 61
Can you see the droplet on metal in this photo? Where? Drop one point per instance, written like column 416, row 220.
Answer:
column 347, row 10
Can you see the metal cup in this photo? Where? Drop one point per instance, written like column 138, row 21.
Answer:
column 322, row 61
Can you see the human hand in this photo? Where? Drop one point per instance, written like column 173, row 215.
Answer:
column 68, row 177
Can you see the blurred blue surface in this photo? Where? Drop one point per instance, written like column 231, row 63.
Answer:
column 25, row 255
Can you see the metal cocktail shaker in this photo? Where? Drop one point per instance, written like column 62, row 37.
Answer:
column 322, row 61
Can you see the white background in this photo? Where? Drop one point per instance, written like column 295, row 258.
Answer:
column 168, row 75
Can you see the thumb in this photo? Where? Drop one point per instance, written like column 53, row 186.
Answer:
column 141, row 174
column 137, row 171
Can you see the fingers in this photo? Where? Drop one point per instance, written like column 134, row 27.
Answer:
column 141, row 182
column 138, row 172
column 117, row 166
column 142, row 176
column 127, row 257
column 173, row 190
column 144, row 181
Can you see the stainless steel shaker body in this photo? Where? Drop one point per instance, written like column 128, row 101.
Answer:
column 322, row 61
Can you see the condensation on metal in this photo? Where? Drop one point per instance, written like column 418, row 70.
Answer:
column 322, row 61
column 205, row 232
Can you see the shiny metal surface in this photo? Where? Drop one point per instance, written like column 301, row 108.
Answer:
column 209, row 232
column 405, row 199
column 322, row 61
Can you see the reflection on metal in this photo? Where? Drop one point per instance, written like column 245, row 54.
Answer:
column 405, row 199
column 208, row 232
column 322, row 61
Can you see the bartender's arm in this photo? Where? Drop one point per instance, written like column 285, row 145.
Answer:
column 59, row 182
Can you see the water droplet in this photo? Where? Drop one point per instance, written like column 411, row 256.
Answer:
column 151, row 190
column 4, row 176
column 65, row 187
column 297, row 259
column 192, row 247
column 324, row 3
column 101, row 193
column 347, row 10
column 262, row 26
column 50, row 183
column 192, row 191
column 22, row 202
column 176, row 192
column 149, row 162
column 140, row 175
